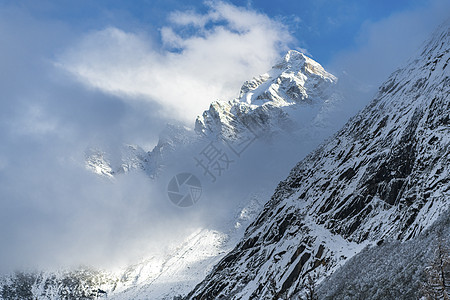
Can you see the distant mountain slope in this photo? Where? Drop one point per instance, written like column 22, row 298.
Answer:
column 133, row 157
column 158, row 276
column 384, row 175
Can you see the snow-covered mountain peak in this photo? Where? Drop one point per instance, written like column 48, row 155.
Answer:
column 295, row 78
column 296, row 93
column 291, row 60
column 271, row 102
column 296, row 62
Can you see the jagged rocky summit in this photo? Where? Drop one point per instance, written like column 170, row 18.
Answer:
column 134, row 157
column 271, row 103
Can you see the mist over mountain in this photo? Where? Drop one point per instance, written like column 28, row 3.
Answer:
column 276, row 120
column 141, row 160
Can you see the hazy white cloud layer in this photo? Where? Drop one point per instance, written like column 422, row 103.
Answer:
column 203, row 57
column 55, row 212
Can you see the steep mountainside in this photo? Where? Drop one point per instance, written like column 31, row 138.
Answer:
column 388, row 270
column 384, row 175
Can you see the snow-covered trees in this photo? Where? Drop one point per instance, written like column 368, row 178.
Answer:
column 437, row 285
column 310, row 285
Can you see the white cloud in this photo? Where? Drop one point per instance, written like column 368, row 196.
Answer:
column 52, row 210
column 226, row 46
column 35, row 122
column 185, row 18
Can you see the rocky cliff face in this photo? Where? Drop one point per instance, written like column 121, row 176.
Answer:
column 384, row 175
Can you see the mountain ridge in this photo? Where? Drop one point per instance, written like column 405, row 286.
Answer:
column 385, row 174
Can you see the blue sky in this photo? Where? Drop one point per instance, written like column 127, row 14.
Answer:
column 334, row 33
column 77, row 74
column 324, row 28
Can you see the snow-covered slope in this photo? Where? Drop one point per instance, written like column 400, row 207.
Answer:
column 177, row 272
column 384, row 175
column 389, row 270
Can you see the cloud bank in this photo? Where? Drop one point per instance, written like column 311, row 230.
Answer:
column 53, row 211
column 202, row 57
